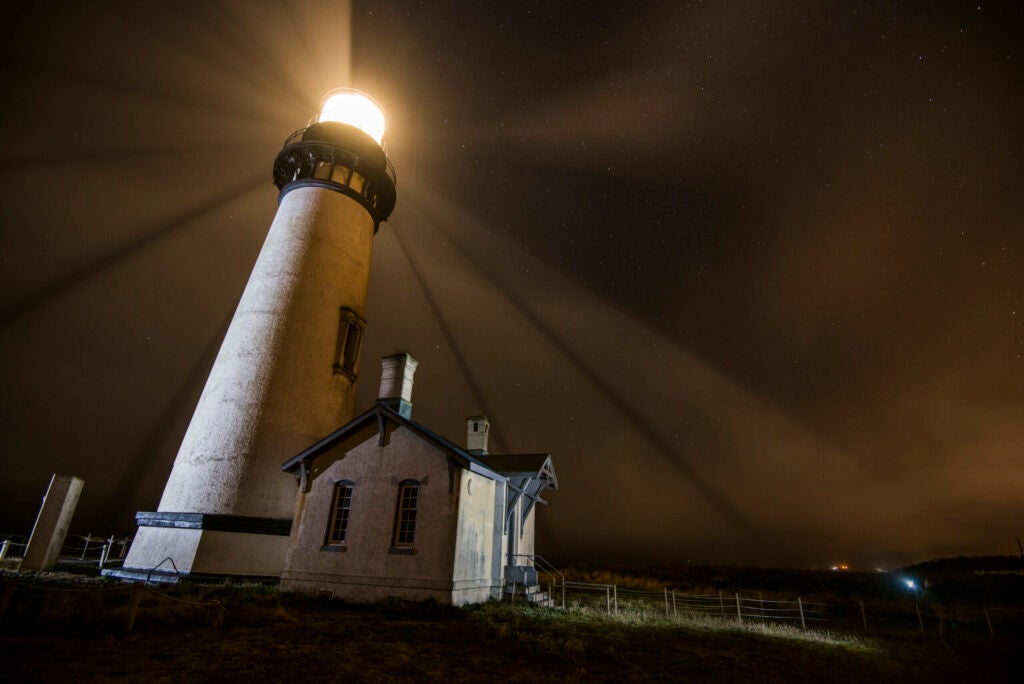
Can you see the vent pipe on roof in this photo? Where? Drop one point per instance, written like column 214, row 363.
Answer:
column 396, row 383
column 478, row 428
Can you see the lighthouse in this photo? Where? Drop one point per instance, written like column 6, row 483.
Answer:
column 286, row 372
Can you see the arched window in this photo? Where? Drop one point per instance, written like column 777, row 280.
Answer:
column 405, row 516
column 337, row 521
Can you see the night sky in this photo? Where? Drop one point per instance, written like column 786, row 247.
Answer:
column 752, row 272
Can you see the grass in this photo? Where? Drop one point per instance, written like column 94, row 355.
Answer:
column 261, row 634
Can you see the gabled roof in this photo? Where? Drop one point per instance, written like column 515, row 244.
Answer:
column 523, row 465
column 378, row 414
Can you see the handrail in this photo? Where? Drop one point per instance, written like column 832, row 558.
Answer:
column 544, row 565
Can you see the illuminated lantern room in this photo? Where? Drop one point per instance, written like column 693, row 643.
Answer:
column 342, row 150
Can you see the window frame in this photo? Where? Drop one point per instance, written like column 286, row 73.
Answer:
column 340, row 513
column 403, row 534
column 349, row 343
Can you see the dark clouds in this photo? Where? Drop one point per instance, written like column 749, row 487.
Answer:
column 751, row 272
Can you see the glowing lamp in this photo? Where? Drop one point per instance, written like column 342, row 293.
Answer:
column 355, row 109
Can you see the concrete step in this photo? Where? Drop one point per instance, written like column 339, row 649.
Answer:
column 523, row 589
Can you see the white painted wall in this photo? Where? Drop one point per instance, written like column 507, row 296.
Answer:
column 272, row 390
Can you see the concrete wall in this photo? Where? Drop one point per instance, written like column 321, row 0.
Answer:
column 368, row 569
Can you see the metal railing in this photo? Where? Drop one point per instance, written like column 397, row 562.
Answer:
column 542, row 565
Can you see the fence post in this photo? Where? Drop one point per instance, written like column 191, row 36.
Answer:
column 608, row 597
column 863, row 615
column 563, row 593
column 920, row 622
column 615, row 595
column 989, row 621
column 675, row 613
column 666, row 601
column 800, row 604
column 85, row 546
column 721, row 602
column 104, row 552
column 739, row 613
column 133, row 607
column 3, row 548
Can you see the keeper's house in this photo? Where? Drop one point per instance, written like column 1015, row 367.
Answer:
column 388, row 508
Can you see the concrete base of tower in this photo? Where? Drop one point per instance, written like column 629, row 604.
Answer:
column 196, row 545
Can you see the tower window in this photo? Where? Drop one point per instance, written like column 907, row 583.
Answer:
column 337, row 524
column 350, row 339
column 405, row 517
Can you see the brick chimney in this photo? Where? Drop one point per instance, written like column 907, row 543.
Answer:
column 478, row 429
column 396, row 383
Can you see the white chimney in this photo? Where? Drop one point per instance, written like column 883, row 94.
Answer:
column 477, row 430
column 396, row 383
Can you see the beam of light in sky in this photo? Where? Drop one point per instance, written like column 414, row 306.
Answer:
column 635, row 417
column 453, row 342
column 147, row 237
column 755, row 453
column 23, row 162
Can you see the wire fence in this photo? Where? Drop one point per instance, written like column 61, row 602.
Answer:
column 752, row 608
column 87, row 549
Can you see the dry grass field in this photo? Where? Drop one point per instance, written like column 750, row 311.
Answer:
column 235, row 634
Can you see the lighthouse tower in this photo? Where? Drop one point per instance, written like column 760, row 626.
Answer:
column 286, row 372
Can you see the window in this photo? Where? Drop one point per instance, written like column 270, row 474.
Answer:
column 337, row 523
column 350, row 337
column 405, row 518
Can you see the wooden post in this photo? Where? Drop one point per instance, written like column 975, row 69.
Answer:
column 133, row 607
column 920, row 622
column 863, row 615
column 563, row 593
column 608, row 597
column 988, row 620
column 666, row 601
column 4, row 547
column 615, row 595
column 721, row 602
column 675, row 613
column 739, row 613
column 5, row 597
column 85, row 545
column 800, row 604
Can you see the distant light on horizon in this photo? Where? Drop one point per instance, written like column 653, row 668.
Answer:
column 355, row 109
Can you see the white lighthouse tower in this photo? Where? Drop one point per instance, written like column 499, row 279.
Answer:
column 286, row 372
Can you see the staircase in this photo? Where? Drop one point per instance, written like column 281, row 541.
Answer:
column 523, row 582
column 534, row 594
